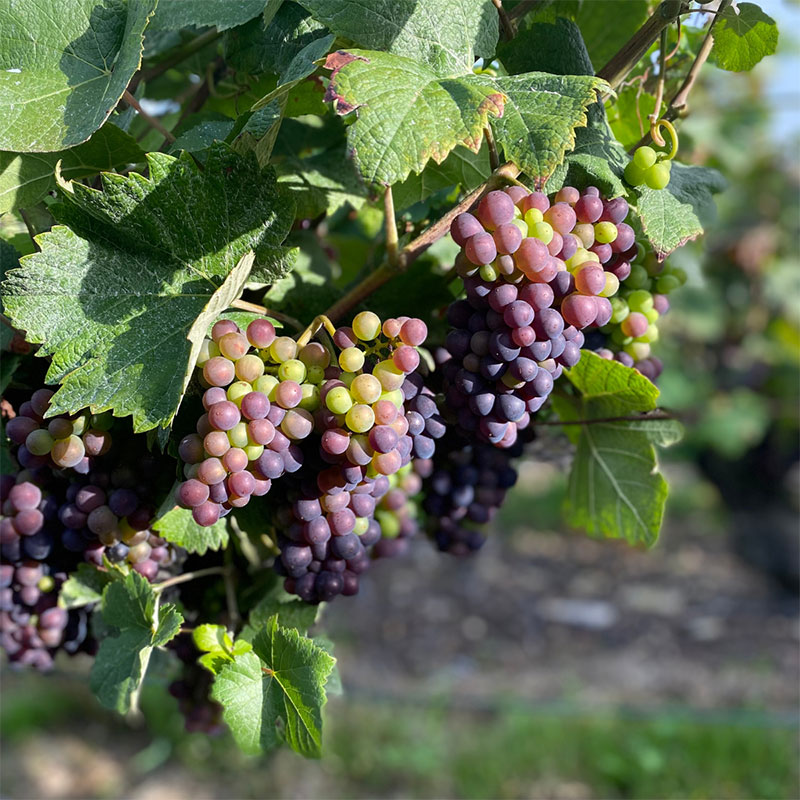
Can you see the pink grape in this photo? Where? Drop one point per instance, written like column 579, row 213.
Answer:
column 507, row 238
column 561, row 217
column 223, row 327
column 516, row 193
column 224, row 416
column 590, row 280
column 288, row 394
column 568, row 194
column 261, row 333
column 604, row 311
column 218, row 371
column 216, row 394
column 216, row 444
column 413, row 332
column 496, row 209
column 635, row 324
column 518, row 314
column 211, row 471
column 536, row 200
column 255, row 405
column 192, row 493
column 480, row 249
column 234, row 345
column 614, row 210
column 241, row 484
column 579, row 310
column 589, row 208
column 626, row 238
column 205, row 515
column 531, row 256
column 406, row 358
column 463, row 227
column 261, row 431
column 235, row 460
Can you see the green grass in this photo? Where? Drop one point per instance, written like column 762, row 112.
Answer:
column 392, row 749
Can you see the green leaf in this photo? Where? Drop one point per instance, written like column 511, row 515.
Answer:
column 671, row 217
column 9, row 259
column 64, row 65
column 121, row 300
column 178, row 526
column 281, row 682
column 629, row 113
column 174, row 14
column 556, row 47
column 203, row 134
column 85, row 586
column 615, row 489
column 444, row 35
column 406, row 115
column 25, row 178
column 742, row 39
column 291, row 613
column 260, row 131
column 210, row 638
column 603, row 38
column 129, row 606
column 540, row 116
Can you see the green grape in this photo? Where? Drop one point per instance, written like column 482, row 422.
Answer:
column 612, row 285
column 640, row 300
column 389, row 375
column 80, row 424
column 67, row 452
column 605, row 232
column 532, row 216
column 208, row 349
column 652, row 315
column 347, row 378
column 236, row 391
column 292, row 370
column 351, row 359
column 39, row 442
column 266, row 385
column 237, row 435
column 634, row 175
column 581, row 256
column 360, row 418
column 253, row 451
column 488, row 273
column 649, row 336
column 283, row 349
column 679, row 273
column 619, row 310
column 390, row 523
column 249, row 368
column 310, row 401
column 396, row 396
column 315, row 375
column 657, row 177
column 638, row 279
column 362, row 523
column 644, row 157
column 638, row 351
column 102, row 422
column 520, row 223
column 338, row 400
column 618, row 336
column 366, row 326
column 509, row 380
column 667, row 283
column 543, row 231
column 366, row 389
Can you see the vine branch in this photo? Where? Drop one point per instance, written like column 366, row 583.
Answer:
column 522, row 8
column 246, row 305
column 505, row 174
column 189, row 576
column 506, row 25
column 151, row 121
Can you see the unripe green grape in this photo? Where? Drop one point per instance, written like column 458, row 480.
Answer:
column 634, row 175
column 315, row 375
column 585, row 232
column 612, row 285
column 638, row 279
column 208, row 349
column 638, row 351
column 619, row 309
column 488, row 273
column 292, row 370
column 283, row 349
column 521, row 224
column 39, row 442
column 649, row 336
column 237, row 435
column 351, row 359
column 581, row 256
column 652, row 315
column 618, row 336
column 509, row 380
column 395, row 396
column 253, row 451
column 310, row 401
column 338, row 400
column 366, row 389
column 543, row 231
column 605, row 232
column 366, row 326
column 532, row 216
column 362, row 523
column 266, row 385
column 679, row 273
column 641, row 252
column 102, row 422
column 389, row 375
column 667, row 283
column 347, row 378
column 657, row 177
column 390, row 523
column 80, row 424
column 644, row 157
column 640, row 300
column 67, row 452
column 236, row 391
column 360, row 418
column 249, row 368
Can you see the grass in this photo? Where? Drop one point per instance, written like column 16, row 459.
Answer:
column 388, row 749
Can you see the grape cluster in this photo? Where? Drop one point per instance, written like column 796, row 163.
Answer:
column 536, row 273
column 641, row 302
column 464, row 485
column 398, row 513
column 192, row 690
column 61, row 441
column 648, row 168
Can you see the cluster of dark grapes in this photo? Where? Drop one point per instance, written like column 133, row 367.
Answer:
column 52, row 518
column 375, row 416
column 641, row 302
column 536, row 273
column 61, row 442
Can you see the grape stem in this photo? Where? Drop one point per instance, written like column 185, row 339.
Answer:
column 522, row 8
column 596, row 420
column 320, row 321
column 246, row 305
column 189, row 576
column 494, row 158
column 503, row 175
column 390, row 223
column 151, row 121
column 655, row 135
column 506, row 25
column 631, row 52
column 678, row 106
column 29, row 225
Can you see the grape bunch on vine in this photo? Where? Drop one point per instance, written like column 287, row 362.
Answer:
column 291, row 288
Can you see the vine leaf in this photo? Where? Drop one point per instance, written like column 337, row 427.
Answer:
column 291, row 613
column 671, row 217
column 122, row 298
column 444, row 35
column 85, row 586
column 281, row 682
column 540, row 116
column 25, row 178
column 64, row 65
column 406, row 114
column 615, row 489
column 137, row 625
column 742, row 38
column 172, row 15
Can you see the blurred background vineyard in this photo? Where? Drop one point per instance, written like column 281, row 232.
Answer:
column 551, row 665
